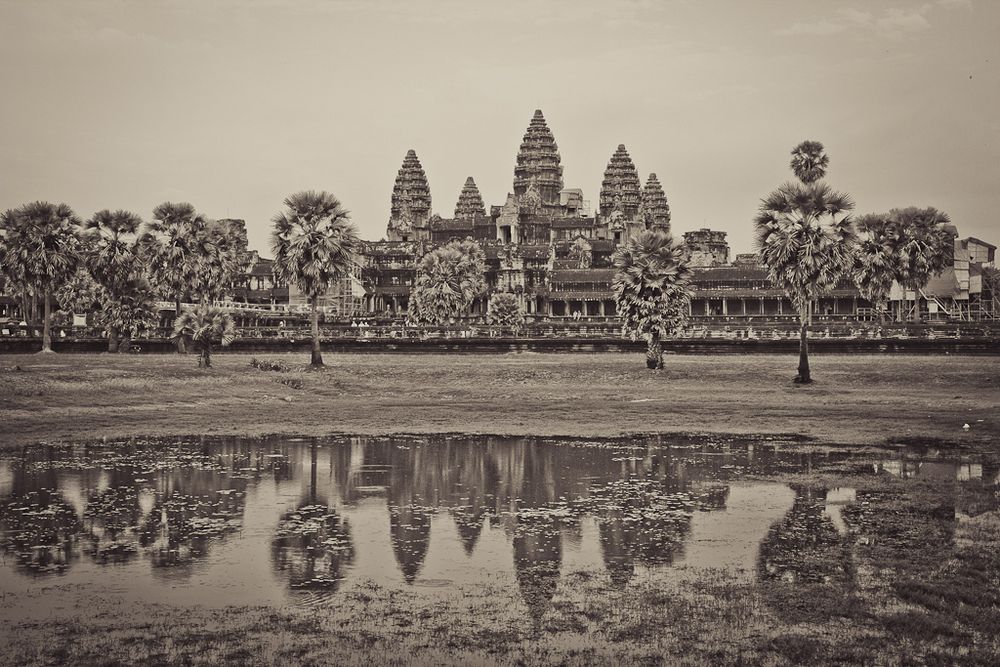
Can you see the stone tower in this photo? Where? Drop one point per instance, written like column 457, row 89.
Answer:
column 538, row 167
column 470, row 202
column 707, row 247
column 620, row 189
column 411, row 202
column 655, row 211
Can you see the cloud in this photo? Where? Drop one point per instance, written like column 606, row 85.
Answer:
column 818, row 28
column 892, row 23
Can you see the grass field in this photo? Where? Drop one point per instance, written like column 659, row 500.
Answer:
column 855, row 399
column 913, row 583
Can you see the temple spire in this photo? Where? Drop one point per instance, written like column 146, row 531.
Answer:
column 411, row 199
column 620, row 189
column 538, row 163
column 655, row 209
column 470, row 202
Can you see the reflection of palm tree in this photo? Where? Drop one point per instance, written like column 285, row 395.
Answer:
column 537, row 559
column 192, row 508
column 805, row 545
column 615, row 540
column 312, row 543
column 110, row 515
column 312, row 546
column 41, row 529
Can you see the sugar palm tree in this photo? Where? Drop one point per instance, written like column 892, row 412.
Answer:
column 314, row 245
column 80, row 293
column 130, row 310
column 447, row 281
column 651, row 290
column 805, row 237
column 175, row 244
column 42, row 246
column 926, row 246
column 809, row 161
column 113, row 256
column 876, row 261
column 206, row 325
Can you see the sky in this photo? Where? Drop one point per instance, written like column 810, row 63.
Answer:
column 232, row 105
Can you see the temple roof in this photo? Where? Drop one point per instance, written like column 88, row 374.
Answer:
column 538, row 162
column 470, row 202
column 620, row 189
column 411, row 194
column 655, row 209
column 582, row 275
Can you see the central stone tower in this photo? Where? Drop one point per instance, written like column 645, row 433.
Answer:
column 620, row 189
column 538, row 165
column 411, row 202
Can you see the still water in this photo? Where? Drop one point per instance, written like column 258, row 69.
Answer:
column 230, row 521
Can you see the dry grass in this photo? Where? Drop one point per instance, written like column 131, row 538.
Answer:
column 856, row 399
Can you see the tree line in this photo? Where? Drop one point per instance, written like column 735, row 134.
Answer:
column 806, row 236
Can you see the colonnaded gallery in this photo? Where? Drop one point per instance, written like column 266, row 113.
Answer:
column 545, row 245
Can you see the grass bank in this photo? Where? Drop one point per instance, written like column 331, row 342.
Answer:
column 855, row 400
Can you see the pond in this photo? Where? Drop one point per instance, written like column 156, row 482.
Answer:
column 228, row 521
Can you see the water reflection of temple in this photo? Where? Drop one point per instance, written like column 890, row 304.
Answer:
column 519, row 506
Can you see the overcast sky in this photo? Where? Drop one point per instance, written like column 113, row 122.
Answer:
column 232, row 105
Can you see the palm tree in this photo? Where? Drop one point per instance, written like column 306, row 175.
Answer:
column 651, row 289
column 114, row 257
column 41, row 243
column 809, row 161
column 129, row 311
column 447, row 281
column 79, row 294
column 176, row 243
column 314, row 245
column 206, row 325
column 926, row 246
column 806, row 239
column 875, row 261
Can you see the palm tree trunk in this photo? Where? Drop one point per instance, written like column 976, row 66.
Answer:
column 181, row 347
column 803, row 377
column 317, row 355
column 113, row 339
column 654, row 352
column 46, row 325
column 916, row 306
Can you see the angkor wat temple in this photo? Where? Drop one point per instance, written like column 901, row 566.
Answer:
column 545, row 245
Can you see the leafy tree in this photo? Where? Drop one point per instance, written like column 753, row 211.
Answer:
column 805, row 236
column 926, row 244
column 651, row 289
column 80, row 293
column 42, row 248
column 206, row 325
column 116, row 262
column 505, row 311
column 130, row 310
column 176, row 244
column 875, row 261
column 227, row 259
column 448, row 279
column 314, row 245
